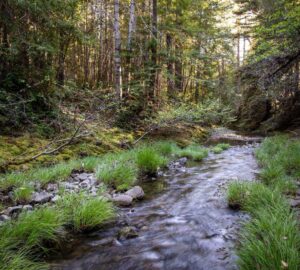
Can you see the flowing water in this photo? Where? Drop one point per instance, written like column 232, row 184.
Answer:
column 183, row 223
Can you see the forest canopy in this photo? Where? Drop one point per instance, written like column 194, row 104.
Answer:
column 131, row 58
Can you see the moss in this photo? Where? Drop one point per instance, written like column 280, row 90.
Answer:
column 100, row 141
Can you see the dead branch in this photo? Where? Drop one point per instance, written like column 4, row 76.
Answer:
column 46, row 150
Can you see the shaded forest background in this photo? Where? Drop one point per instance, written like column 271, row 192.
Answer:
column 134, row 61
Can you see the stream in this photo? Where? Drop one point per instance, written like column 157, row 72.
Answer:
column 183, row 223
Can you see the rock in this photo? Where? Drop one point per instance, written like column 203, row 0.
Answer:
column 127, row 232
column 182, row 161
column 27, row 207
column 4, row 218
column 41, row 197
column 13, row 210
column 85, row 184
column 136, row 193
column 55, row 198
column 145, row 228
column 52, row 187
column 5, row 199
column 122, row 199
column 295, row 203
column 69, row 186
column 83, row 176
column 103, row 242
column 107, row 196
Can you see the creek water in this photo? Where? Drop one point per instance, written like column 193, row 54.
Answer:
column 183, row 223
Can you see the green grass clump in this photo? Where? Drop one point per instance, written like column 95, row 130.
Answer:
column 193, row 152
column 83, row 212
column 43, row 175
column 59, row 172
column 237, row 193
column 32, row 229
column 12, row 180
column 166, row 148
column 149, row 161
column 90, row 163
column 20, row 260
column 219, row 148
column 120, row 175
column 270, row 240
column 23, row 194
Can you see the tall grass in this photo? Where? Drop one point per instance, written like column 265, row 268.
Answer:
column 271, row 240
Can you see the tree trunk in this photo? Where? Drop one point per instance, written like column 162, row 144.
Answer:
column 153, row 50
column 117, row 56
column 170, row 75
column 131, row 33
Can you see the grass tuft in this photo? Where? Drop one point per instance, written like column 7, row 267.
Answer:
column 23, row 194
column 193, row 152
column 149, row 161
column 32, row 229
column 219, row 148
column 117, row 174
column 83, row 212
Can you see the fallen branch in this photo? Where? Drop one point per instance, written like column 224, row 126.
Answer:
column 46, row 151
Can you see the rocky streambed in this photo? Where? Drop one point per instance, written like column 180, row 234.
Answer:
column 183, row 222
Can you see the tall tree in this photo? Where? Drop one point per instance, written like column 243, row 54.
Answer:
column 117, row 56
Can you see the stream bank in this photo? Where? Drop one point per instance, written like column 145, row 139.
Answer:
column 184, row 223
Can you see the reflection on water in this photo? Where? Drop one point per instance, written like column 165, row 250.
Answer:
column 183, row 224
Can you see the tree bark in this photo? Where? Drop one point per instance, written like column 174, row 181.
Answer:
column 117, row 56
column 170, row 75
column 153, row 50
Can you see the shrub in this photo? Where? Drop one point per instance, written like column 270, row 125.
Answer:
column 148, row 160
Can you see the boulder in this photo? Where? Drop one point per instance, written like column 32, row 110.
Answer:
column 136, row 193
column 122, row 200
column 127, row 232
column 41, row 197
